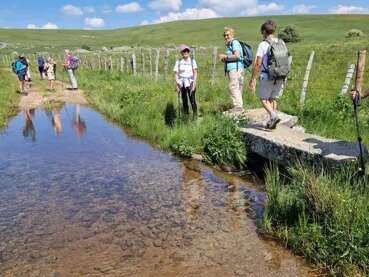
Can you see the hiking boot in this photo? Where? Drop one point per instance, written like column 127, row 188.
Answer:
column 273, row 122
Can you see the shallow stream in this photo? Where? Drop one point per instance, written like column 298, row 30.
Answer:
column 78, row 197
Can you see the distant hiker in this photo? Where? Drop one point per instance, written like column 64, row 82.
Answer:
column 28, row 73
column 41, row 66
column 186, row 78
column 49, row 69
column 272, row 58
column 71, row 64
column 20, row 68
column 234, row 68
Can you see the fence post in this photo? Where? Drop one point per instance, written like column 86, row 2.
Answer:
column 166, row 58
column 133, row 64
column 121, row 64
column 157, row 64
column 360, row 71
column 349, row 75
column 150, row 61
column 306, row 79
column 214, row 65
column 142, row 62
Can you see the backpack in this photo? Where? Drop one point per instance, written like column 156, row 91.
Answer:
column 278, row 60
column 13, row 68
column 246, row 55
column 40, row 61
column 75, row 63
column 19, row 65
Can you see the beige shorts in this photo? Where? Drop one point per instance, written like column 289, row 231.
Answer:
column 270, row 89
column 50, row 76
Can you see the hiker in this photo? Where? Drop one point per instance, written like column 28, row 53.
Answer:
column 28, row 73
column 41, row 66
column 234, row 68
column 272, row 59
column 20, row 68
column 70, row 67
column 186, row 77
column 49, row 69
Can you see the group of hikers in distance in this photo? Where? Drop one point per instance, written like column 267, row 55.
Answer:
column 271, row 65
column 21, row 67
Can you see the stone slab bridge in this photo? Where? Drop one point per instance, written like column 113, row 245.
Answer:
column 289, row 143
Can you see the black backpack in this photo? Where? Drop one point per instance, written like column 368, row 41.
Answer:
column 278, row 60
column 246, row 55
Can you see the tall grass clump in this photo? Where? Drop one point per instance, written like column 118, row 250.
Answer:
column 322, row 216
column 223, row 144
column 8, row 96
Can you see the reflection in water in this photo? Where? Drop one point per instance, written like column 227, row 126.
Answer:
column 113, row 206
column 29, row 131
column 78, row 123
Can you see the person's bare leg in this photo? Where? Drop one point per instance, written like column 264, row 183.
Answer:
column 274, row 104
column 267, row 106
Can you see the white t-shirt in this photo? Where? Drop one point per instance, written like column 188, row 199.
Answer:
column 185, row 68
column 262, row 52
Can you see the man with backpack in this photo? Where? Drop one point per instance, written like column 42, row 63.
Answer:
column 186, row 77
column 234, row 69
column 272, row 58
column 19, row 67
column 71, row 65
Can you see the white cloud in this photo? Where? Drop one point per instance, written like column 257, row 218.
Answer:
column 89, row 9
column 227, row 8
column 72, row 10
column 129, row 8
column 32, row 26
column 94, row 22
column 302, row 9
column 47, row 26
column 145, row 22
column 270, row 8
column 50, row 26
column 188, row 14
column 165, row 5
column 342, row 9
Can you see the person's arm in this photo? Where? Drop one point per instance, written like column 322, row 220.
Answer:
column 255, row 73
column 176, row 76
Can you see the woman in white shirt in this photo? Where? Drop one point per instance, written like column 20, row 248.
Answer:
column 186, row 76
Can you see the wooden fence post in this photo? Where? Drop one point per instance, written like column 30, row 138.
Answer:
column 349, row 75
column 214, row 65
column 142, row 62
column 121, row 64
column 133, row 64
column 157, row 64
column 150, row 61
column 306, row 79
column 166, row 62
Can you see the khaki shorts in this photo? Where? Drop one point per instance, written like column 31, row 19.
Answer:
column 50, row 76
column 270, row 89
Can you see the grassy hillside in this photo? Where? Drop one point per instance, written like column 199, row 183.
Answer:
column 315, row 29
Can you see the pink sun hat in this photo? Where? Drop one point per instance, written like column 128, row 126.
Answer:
column 184, row 47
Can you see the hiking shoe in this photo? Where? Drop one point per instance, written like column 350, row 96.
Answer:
column 273, row 122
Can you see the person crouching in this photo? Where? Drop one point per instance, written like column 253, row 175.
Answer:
column 186, row 76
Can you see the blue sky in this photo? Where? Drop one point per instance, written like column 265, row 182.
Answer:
column 94, row 14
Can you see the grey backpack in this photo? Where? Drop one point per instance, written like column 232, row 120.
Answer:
column 278, row 60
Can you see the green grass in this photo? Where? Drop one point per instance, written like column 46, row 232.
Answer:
column 8, row 96
column 140, row 104
column 315, row 29
column 322, row 216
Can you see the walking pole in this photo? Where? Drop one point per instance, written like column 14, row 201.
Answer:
column 179, row 102
column 359, row 138
column 360, row 67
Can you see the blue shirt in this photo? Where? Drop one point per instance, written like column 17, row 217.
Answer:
column 230, row 50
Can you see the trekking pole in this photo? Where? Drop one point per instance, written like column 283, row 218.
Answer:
column 179, row 103
column 359, row 138
column 360, row 67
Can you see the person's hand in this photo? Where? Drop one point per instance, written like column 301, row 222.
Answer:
column 222, row 57
column 354, row 94
column 252, row 85
column 193, row 87
column 177, row 88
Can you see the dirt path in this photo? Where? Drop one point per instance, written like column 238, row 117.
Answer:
column 37, row 96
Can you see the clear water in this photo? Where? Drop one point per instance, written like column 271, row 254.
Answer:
column 78, row 197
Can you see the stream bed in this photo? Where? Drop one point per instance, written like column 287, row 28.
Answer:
column 79, row 197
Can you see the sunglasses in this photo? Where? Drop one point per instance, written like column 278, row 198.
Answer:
column 227, row 35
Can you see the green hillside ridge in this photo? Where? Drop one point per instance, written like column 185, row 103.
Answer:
column 315, row 29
